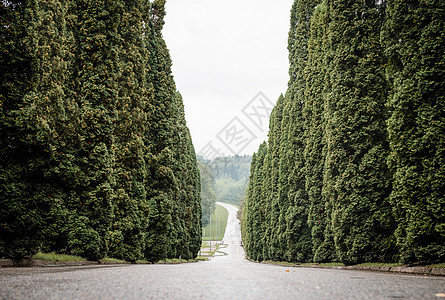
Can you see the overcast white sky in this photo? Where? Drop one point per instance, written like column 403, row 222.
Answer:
column 224, row 53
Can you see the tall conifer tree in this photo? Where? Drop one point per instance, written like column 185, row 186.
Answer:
column 46, row 122
column 292, row 169
column 316, row 91
column 125, row 238
column 272, row 249
column 357, row 181
column 21, row 155
column 254, row 212
column 188, row 205
column 96, row 87
column 162, row 182
column 173, row 219
column 414, row 40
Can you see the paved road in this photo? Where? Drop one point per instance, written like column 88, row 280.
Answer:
column 228, row 276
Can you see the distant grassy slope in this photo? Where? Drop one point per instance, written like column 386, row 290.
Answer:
column 222, row 214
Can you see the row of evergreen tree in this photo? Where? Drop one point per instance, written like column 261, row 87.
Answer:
column 353, row 170
column 96, row 158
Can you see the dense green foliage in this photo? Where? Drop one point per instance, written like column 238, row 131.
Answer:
column 353, row 168
column 414, row 44
column 254, row 212
column 316, row 92
column 208, row 197
column 96, row 155
column 356, row 179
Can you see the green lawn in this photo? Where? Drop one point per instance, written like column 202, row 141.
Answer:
column 57, row 257
column 222, row 214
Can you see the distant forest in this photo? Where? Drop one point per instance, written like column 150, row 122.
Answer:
column 96, row 158
column 223, row 179
column 353, row 170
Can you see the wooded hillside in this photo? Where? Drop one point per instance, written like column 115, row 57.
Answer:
column 230, row 177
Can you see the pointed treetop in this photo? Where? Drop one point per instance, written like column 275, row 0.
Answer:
column 157, row 14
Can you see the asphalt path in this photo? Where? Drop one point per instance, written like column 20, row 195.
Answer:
column 227, row 276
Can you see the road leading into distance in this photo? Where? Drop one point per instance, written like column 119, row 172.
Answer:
column 227, row 276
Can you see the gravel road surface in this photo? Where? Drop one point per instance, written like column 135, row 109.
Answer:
column 227, row 276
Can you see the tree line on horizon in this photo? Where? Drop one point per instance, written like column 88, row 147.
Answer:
column 223, row 179
column 96, row 157
column 353, row 170
column 230, row 177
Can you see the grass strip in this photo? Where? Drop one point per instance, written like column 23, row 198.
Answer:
column 221, row 214
column 113, row 260
column 380, row 265
column 57, row 257
column 202, row 258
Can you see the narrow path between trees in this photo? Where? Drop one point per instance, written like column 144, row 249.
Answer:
column 231, row 248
